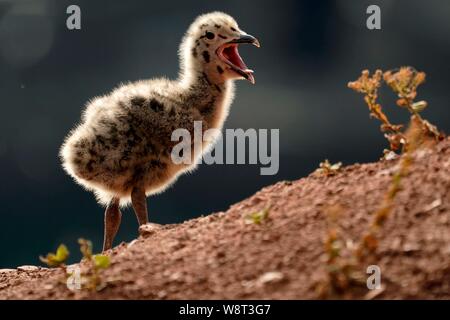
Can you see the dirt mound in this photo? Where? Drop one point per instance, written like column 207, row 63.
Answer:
column 224, row 256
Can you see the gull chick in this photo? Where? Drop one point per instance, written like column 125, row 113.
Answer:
column 121, row 150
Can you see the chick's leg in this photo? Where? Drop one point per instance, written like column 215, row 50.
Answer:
column 113, row 217
column 139, row 202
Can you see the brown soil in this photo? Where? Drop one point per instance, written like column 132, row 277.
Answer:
column 222, row 256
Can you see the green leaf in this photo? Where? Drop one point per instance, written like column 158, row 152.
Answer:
column 62, row 253
column 55, row 260
column 101, row 261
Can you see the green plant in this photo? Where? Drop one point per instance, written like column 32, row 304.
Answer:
column 89, row 279
column 343, row 264
column 258, row 217
column 415, row 138
column 57, row 259
column 369, row 85
column 404, row 82
column 92, row 277
column 328, row 169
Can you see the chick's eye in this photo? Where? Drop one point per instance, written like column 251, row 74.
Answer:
column 210, row 35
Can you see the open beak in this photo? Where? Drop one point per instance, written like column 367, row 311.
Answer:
column 229, row 54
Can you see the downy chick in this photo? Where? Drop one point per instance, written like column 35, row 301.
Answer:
column 121, row 150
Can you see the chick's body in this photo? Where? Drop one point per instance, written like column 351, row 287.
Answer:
column 125, row 137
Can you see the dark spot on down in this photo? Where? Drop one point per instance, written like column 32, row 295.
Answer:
column 89, row 165
column 102, row 141
column 122, row 104
column 125, row 156
column 137, row 101
column 131, row 143
column 114, row 142
column 194, row 52
column 157, row 164
column 222, row 36
column 208, row 109
column 81, row 144
column 206, row 78
column 113, row 129
column 217, row 26
column 156, row 105
column 219, row 69
column 206, row 56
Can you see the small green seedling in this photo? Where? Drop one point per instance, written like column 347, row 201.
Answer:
column 89, row 279
column 97, row 262
column 258, row 217
column 328, row 169
column 101, row 261
column 57, row 259
column 341, row 270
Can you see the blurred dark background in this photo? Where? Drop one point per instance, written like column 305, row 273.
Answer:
column 310, row 50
